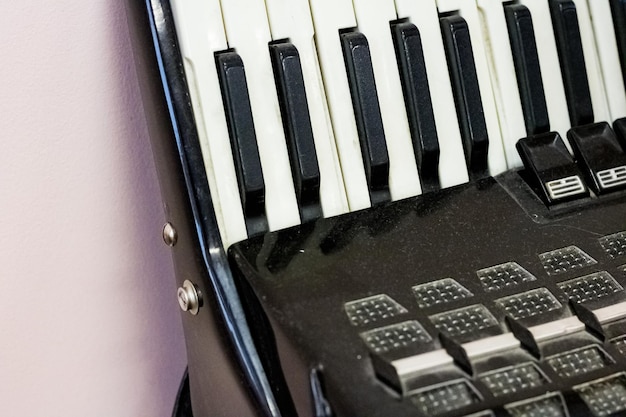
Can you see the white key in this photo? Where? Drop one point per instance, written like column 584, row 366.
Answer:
column 550, row 66
column 200, row 34
column 373, row 18
column 469, row 12
column 247, row 30
column 329, row 16
column 504, row 81
column 606, row 43
column 292, row 19
column 423, row 14
column 594, row 73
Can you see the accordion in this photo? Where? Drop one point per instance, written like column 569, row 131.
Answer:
column 393, row 207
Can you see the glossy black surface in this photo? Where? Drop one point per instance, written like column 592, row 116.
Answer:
column 389, row 249
column 546, row 159
column 232, row 76
column 225, row 373
column 618, row 10
column 527, row 68
column 298, row 132
column 596, row 149
column 572, row 60
column 619, row 126
column 469, row 106
column 408, row 47
column 367, row 114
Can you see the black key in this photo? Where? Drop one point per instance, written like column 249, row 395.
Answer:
column 619, row 126
column 600, row 156
column 297, row 125
column 419, row 108
column 527, row 68
column 469, row 106
column 618, row 10
column 572, row 60
column 550, row 169
column 369, row 122
column 234, row 88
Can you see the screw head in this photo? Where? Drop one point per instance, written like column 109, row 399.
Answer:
column 170, row 235
column 189, row 298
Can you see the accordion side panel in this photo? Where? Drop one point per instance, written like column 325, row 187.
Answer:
column 225, row 376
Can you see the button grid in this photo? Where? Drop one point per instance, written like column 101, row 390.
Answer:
column 590, row 287
column 528, row 304
column 614, row 245
column 445, row 397
column 503, row 276
column 506, row 381
column 373, row 309
column 579, row 362
column 440, row 292
column 565, row 259
column 395, row 336
column 605, row 396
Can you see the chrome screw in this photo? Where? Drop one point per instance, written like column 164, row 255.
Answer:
column 170, row 235
column 188, row 298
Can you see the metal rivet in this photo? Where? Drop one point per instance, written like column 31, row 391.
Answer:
column 170, row 235
column 189, row 298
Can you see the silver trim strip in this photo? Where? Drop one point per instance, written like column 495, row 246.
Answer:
column 611, row 313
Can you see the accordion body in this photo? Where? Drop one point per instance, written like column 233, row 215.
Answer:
column 393, row 207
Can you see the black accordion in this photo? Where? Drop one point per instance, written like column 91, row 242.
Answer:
column 393, row 207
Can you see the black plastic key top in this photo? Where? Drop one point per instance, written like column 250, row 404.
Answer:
column 297, row 126
column 600, row 156
column 408, row 45
column 469, row 107
column 572, row 60
column 234, row 88
column 550, row 169
column 369, row 121
column 618, row 10
column 619, row 126
column 527, row 68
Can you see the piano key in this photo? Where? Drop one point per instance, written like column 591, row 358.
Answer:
column 408, row 45
column 594, row 73
column 572, row 59
column 554, row 88
column 469, row 12
column 367, row 113
column 247, row 31
column 423, row 14
column 605, row 33
column 291, row 19
column 504, row 81
column 298, row 130
column 200, row 35
column 618, row 12
column 232, row 78
column 550, row 169
column 469, row 106
column 329, row 17
column 600, row 156
column 620, row 130
column 527, row 68
column 373, row 20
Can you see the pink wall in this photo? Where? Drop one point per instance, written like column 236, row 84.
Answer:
column 89, row 324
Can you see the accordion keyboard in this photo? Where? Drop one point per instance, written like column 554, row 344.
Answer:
column 423, row 202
